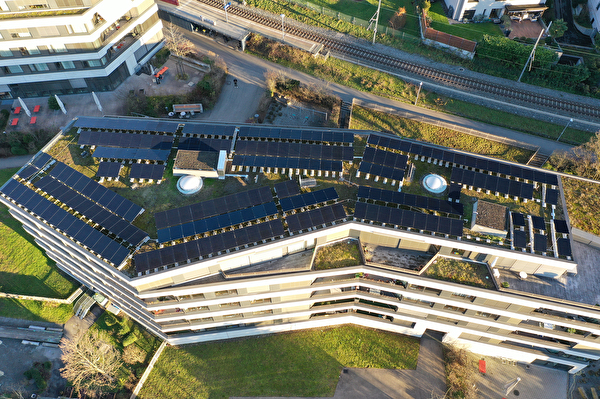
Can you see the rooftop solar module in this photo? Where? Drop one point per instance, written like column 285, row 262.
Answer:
column 454, row 191
column 518, row 219
column 125, row 140
column 407, row 218
column 564, row 247
column 377, row 194
column 208, row 245
column 307, row 199
column 315, row 217
column 294, row 150
column 519, row 239
column 96, row 192
column 492, row 183
column 217, row 222
column 385, row 158
column 60, row 219
column 382, row 171
column 540, row 243
column 91, row 210
column 538, row 222
column 139, row 125
column 109, row 169
column 206, row 209
column 473, row 161
column 551, row 196
column 296, row 134
column 293, row 163
column 561, row 226
column 27, row 172
column 204, row 144
column 208, row 130
column 147, row 171
column 131, row 153
column 41, row 160
column 286, row 189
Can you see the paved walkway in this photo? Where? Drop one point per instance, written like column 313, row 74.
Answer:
column 426, row 382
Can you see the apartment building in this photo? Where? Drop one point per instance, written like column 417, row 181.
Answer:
column 267, row 283
column 74, row 46
column 518, row 9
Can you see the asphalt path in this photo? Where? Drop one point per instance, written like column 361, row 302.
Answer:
column 236, row 104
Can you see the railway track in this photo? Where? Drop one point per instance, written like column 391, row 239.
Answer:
column 448, row 79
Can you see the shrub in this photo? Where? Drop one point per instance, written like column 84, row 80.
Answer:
column 4, row 117
column 53, row 103
column 505, row 284
column 398, row 20
column 110, row 320
column 130, row 338
column 133, row 354
column 40, row 373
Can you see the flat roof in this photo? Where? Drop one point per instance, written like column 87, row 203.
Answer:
column 196, row 160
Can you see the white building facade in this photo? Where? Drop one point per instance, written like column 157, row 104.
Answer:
column 490, row 9
column 74, row 46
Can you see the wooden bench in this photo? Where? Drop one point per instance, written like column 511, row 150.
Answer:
column 17, row 110
column 14, row 122
column 37, row 108
column 33, row 120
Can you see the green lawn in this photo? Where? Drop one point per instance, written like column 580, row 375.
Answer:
column 470, row 31
column 24, row 267
column 304, row 363
column 583, row 203
column 35, row 310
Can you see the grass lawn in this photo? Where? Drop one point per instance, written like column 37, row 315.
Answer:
column 468, row 273
column 303, row 363
column 35, row 310
column 367, row 119
column 583, row 203
column 24, row 267
column 341, row 254
column 470, row 31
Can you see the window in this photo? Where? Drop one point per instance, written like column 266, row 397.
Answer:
column 487, row 315
column 48, row 31
column 77, row 28
column 58, row 48
column 455, row 308
column 39, row 67
column 264, row 300
column 67, row 65
column 227, row 305
column 33, row 50
column 13, row 69
column 6, row 53
column 464, row 296
column 92, row 63
column 20, row 32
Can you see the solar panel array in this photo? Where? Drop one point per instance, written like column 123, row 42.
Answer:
column 72, row 226
column 147, row 171
column 406, row 218
column 202, row 210
column 315, row 217
column 294, row 163
column 125, row 140
column 181, row 253
column 116, row 225
column 564, row 247
column 380, row 170
column 96, row 192
column 286, row 189
column 217, row 222
column 198, row 144
column 492, row 183
column 471, row 161
column 294, row 150
column 434, row 204
column 295, row 134
column 307, row 199
column 109, row 169
column 208, row 130
column 139, row 125
column 131, row 153
column 551, row 196
column 385, row 158
column 34, row 167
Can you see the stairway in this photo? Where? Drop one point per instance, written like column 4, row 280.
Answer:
column 538, row 159
column 345, row 112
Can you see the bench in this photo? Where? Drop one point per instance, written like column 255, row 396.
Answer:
column 37, row 108
column 33, row 120
column 177, row 108
column 161, row 72
column 14, row 122
column 17, row 110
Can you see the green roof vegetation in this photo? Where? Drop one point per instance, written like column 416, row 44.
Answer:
column 340, row 254
column 468, row 273
column 583, row 203
column 40, row 14
column 303, row 363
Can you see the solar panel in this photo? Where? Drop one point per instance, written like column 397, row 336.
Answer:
column 551, row 196
column 307, row 199
column 126, row 124
column 208, row 130
column 281, row 162
column 400, row 198
column 492, row 183
column 385, row 158
column 564, row 247
column 109, row 169
column 538, row 222
column 295, row 134
column 147, row 171
column 315, row 217
column 204, row 144
column 286, row 189
column 540, row 242
column 98, row 193
column 27, row 172
column 519, row 239
column 212, row 207
column 131, row 153
column 518, row 219
column 561, row 226
column 454, row 191
column 126, row 140
column 41, row 160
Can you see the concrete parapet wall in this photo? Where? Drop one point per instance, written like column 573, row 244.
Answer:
column 585, row 238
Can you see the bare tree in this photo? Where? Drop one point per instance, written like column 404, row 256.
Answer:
column 91, row 362
column 178, row 45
